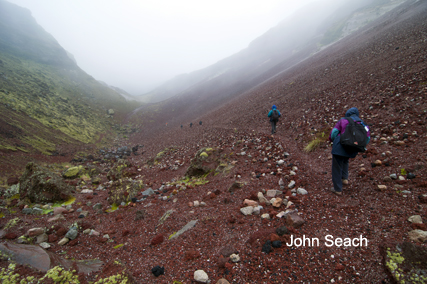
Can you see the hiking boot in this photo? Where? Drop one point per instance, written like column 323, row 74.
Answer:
column 345, row 181
column 336, row 192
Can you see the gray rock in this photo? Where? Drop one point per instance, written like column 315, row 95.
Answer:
column 265, row 216
column 201, row 276
column 34, row 232
column 257, row 210
column 234, row 258
column 27, row 211
column 248, row 210
column 63, row 241
column 418, row 236
column 83, row 214
column 11, row 191
column 302, row 191
column 42, row 238
column 187, row 227
column 44, row 245
column 72, row 234
column 262, row 199
column 37, row 211
column 415, row 219
column 291, row 184
column 148, row 192
column 97, row 206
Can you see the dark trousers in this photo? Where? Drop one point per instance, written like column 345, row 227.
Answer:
column 339, row 171
column 273, row 127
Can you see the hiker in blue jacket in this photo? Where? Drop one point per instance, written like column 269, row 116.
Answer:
column 341, row 156
column 274, row 115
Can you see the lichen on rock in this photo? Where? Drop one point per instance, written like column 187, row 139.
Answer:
column 40, row 185
column 123, row 190
column 406, row 262
column 203, row 163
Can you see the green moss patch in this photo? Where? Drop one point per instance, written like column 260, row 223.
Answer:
column 406, row 263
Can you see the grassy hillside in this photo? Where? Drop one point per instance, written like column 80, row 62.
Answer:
column 44, row 95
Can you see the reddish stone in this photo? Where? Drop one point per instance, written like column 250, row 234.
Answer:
column 10, row 236
column 191, row 254
column 274, row 237
column 35, row 232
column 102, row 240
column 89, row 197
column 73, row 242
column 85, row 225
column 61, row 232
column 157, row 240
column 125, row 233
column 222, row 261
column 294, row 199
column 339, row 267
column 52, row 238
column 294, row 220
column 228, row 266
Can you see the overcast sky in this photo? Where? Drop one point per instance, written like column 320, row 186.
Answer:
column 138, row 44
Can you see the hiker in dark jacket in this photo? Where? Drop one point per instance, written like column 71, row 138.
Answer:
column 274, row 115
column 341, row 156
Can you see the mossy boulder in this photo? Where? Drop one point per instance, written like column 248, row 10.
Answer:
column 40, row 185
column 205, row 161
column 223, row 168
column 405, row 262
column 73, row 172
column 123, row 190
column 123, row 168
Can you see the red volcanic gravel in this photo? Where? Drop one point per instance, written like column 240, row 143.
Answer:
column 381, row 70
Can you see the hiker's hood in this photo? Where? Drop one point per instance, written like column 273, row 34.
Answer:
column 274, row 107
column 352, row 111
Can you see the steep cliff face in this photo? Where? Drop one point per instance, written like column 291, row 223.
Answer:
column 45, row 98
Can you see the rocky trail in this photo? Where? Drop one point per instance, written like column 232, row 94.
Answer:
column 226, row 202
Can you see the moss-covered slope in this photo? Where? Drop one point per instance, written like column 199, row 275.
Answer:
column 39, row 82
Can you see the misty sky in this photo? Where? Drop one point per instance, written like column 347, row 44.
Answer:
column 138, row 44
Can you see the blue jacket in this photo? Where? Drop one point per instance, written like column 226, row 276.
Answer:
column 271, row 112
column 339, row 128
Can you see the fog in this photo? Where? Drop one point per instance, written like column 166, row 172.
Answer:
column 138, row 44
